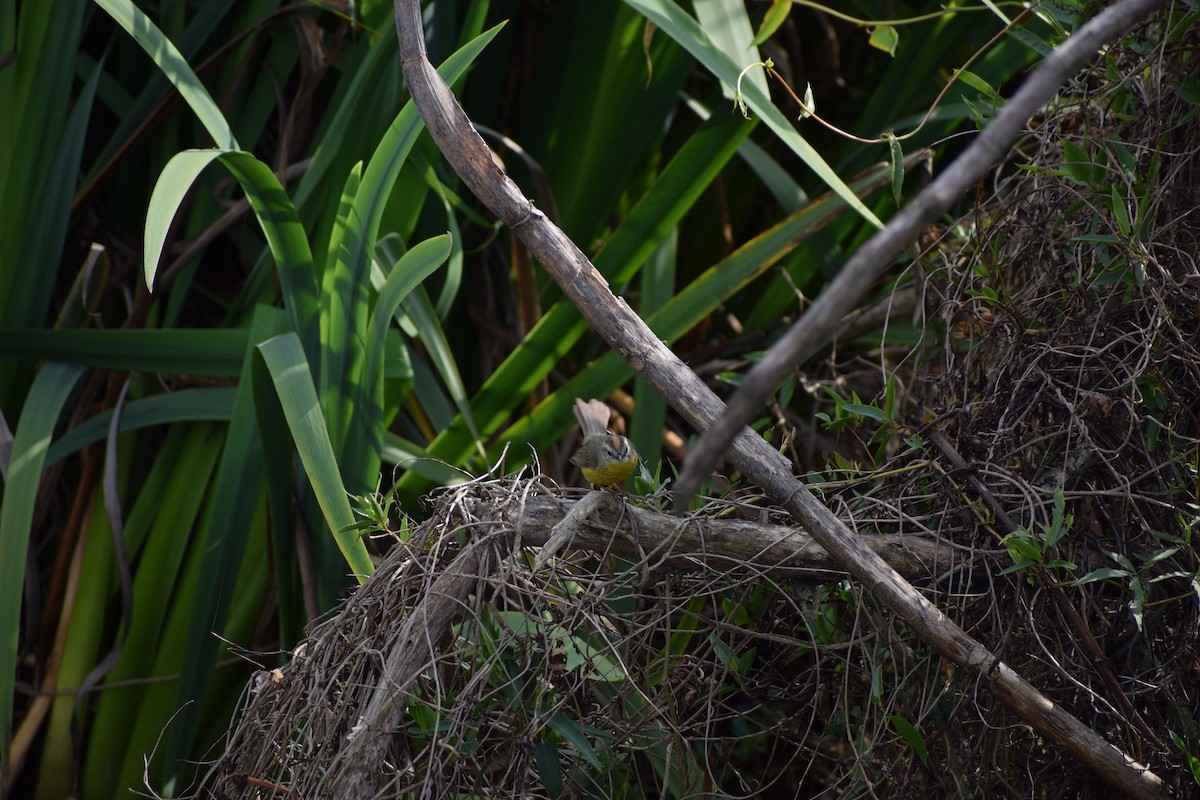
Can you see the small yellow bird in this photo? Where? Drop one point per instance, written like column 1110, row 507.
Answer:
column 604, row 458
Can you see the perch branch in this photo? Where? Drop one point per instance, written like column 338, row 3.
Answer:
column 649, row 357
column 675, row 543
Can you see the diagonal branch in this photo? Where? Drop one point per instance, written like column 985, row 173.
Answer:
column 821, row 319
column 670, row 377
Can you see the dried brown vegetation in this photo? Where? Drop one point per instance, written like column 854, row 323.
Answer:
column 1064, row 446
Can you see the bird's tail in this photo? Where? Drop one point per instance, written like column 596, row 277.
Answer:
column 592, row 415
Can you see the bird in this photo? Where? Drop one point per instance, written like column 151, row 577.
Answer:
column 604, row 457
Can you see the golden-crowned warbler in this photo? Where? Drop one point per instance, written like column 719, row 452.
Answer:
column 604, row 458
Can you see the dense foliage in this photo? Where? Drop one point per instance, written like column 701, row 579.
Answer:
column 188, row 461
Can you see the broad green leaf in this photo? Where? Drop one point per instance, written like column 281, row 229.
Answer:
column 774, row 177
column 1030, row 40
column 406, row 272
column 728, row 28
column 1193, row 763
column 885, row 38
column 285, row 359
column 235, row 499
column 911, row 735
column 1076, row 162
column 197, row 352
column 276, row 216
column 160, row 409
column 978, row 84
column 597, row 112
column 570, row 731
column 34, row 225
column 82, row 650
column 861, row 410
column 422, row 318
column 164, row 516
column 344, row 288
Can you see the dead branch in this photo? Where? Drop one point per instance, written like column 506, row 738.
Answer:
column 411, row 653
column 668, row 542
column 822, row 318
column 466, row 151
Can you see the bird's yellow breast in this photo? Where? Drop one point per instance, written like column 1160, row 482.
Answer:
column 606, row 459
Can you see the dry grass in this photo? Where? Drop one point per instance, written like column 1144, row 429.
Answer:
column 1069, row 365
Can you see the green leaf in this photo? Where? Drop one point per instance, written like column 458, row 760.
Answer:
column 50, row 391
column 728, row 28
column 234, row 498
column 273, row 209
column 1101, row 574
column 38, row 199
column 1192, row 761
column 197, row 352
column 911, row 735
column 362, row 454
column 1121, row 212
column 1076, row 162
column 174, row 66
column 160, row 530
column 885, row 38
column 298, row 395
column 344, row 291
column 1030, row 40
column 161, row 409
column 776, row 15
column 978, row 84
column 863, row 410
column 406, row 272
column 570, row 731
column 677, row 24
column 1022, row 549
column 173, row 184
column 897, row 159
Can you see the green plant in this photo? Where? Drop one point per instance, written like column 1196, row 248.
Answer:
column 1138, row 581
column 311, row 325
column 1033, row 549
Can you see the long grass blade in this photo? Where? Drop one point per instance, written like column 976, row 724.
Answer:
column 174, row 66
column 681, row 27
column 298, row 395
column 215, row 352
column 276, row 216
column 345, row 284
column 235, row 496
column 31, row 442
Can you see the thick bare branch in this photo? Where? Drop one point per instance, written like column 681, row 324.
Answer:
column 629, row 336
column 675, row 543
